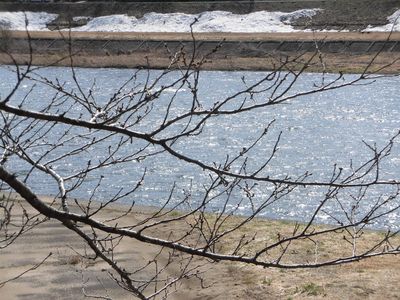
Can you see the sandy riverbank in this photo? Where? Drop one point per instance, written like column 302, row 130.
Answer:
column 65, row 273
column 385, row 63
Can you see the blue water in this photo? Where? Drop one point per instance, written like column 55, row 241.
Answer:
column 318, row 131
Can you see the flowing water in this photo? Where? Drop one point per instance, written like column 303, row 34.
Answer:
column 317, row 132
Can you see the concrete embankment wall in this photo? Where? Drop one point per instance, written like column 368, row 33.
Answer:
column 234, row 51
column 248, row 45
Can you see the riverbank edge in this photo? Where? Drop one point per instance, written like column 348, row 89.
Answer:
column 150, row 210
column 385, row 63
column 57, row 277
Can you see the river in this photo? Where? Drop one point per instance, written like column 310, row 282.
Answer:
column 318, row 131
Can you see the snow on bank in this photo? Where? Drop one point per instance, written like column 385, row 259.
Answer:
column 393, row 25
column 16, row 20
column 212, row 21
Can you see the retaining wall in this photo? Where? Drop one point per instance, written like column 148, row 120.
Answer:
column 241, row 47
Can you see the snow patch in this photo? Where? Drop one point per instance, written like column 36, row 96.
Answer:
column 37, row 21
column 211, row 21
column 108, row 23
column 393, row 25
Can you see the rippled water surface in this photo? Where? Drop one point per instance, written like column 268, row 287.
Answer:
column 318, row 131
